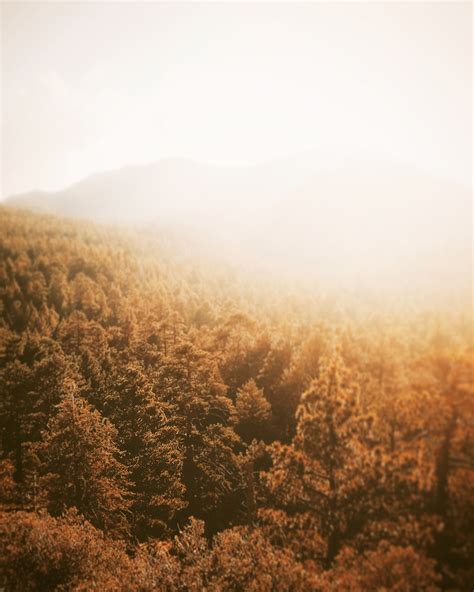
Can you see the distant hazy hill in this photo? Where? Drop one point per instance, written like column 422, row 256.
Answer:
column 365, row 221
column 170, row 190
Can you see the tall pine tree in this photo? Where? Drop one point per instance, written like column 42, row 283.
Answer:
column 81, row 466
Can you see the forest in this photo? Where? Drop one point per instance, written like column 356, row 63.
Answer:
column 170, row 424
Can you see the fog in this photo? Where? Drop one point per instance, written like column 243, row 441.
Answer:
column 330, row 142
column 364, row 226
column 88, row 87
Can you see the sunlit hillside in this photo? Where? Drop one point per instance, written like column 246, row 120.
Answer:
column 370, row 228
column 236, row 314
column 198, row 417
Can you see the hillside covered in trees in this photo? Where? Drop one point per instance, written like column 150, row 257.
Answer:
column 168, row 424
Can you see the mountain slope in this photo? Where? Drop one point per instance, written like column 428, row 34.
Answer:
column 362, row 222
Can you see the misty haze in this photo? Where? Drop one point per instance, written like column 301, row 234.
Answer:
column 359, row 224
column 236, row 338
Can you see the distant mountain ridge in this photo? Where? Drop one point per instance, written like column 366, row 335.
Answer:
column 359, row 219
column 170, row 186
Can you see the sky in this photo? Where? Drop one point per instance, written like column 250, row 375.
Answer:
column 87, row 87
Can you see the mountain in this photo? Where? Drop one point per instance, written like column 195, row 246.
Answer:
column 359, row 220
column 169, row 189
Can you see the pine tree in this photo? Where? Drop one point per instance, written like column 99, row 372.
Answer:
column 325, row 472
column 190, row 383
column 253, row 412
column 151, row 451
column 81, row 466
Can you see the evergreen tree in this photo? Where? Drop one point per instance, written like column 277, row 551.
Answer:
column 253, row 412
column 151, row 450
column 190, row 383
column 17, row 406
column 81, row 466
column 325, row 473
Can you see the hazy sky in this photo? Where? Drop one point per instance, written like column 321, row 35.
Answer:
column 91, row 86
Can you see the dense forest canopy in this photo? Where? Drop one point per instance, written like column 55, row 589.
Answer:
column 170, row 423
